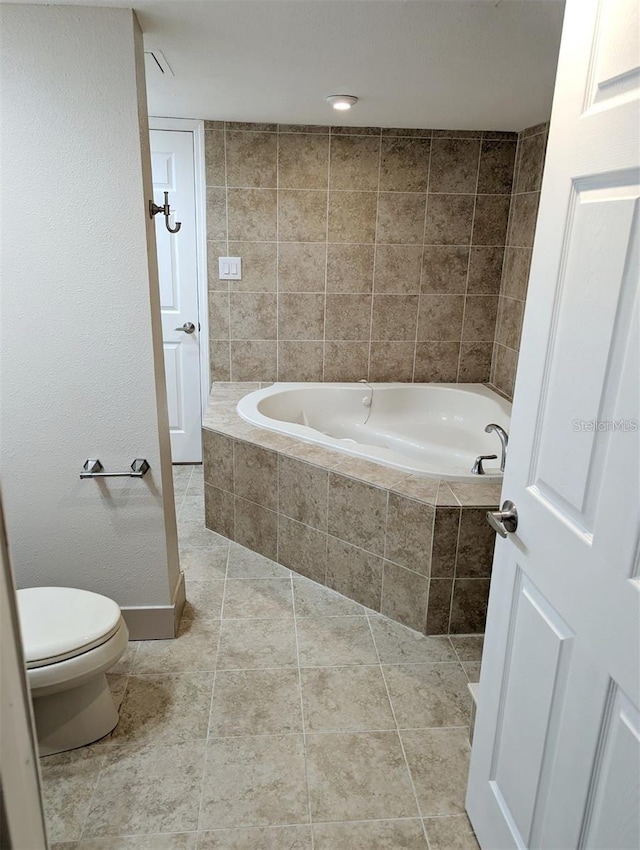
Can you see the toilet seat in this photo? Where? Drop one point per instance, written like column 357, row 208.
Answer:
column 61, row 623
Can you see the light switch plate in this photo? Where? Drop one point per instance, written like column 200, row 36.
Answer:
column 230, row 268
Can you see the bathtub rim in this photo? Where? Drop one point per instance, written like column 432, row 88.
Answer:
column 246, row 409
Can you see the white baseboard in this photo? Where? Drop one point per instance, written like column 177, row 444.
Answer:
column 156, row 622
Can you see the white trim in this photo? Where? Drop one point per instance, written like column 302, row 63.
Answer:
column 196, row 126
column 21, row 818
column 156, row 622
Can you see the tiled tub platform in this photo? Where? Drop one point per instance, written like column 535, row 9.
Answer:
column 416, row 549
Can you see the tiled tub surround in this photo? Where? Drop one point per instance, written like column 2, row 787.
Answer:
column 416, row 549
column 367, row 253
column 525, row 199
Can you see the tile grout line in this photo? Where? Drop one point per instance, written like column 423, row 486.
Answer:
column 302, row 719
column 455, row 572
column 213, row 688
column 424, row 234
column 471, row 243
column 326, row 257
column 226, row 210
column 397, row 731
column 375, row 255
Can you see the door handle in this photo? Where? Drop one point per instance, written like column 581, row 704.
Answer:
column 187, row 328
column 504, row 521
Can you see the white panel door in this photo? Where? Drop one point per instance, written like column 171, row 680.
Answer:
column 556, row 751
column 172, row 162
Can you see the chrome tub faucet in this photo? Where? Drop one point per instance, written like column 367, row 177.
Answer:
column 504, row 441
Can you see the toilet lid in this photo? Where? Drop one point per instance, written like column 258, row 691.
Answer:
column 57, row 623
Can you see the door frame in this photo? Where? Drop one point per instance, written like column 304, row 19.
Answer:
column 21, row 811
column 196, row 128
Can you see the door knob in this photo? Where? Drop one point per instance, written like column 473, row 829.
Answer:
column 187, row 328
column 504, row 521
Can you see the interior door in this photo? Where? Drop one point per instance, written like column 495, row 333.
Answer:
column 556, row 753
column 172, row 162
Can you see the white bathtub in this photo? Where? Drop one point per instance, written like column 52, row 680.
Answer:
column 435, row 430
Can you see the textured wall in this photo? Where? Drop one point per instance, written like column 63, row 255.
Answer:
column 79, row 376
column 525, row 199
column 366, row 252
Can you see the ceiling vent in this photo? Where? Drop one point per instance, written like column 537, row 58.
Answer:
column 156, row 62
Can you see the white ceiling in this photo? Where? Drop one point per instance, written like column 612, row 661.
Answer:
column 460, row 64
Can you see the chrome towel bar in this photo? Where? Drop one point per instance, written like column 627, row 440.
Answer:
column 94, row 469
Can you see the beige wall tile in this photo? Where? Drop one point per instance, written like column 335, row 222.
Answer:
column 404, row 165
column 440, row 317
column 253, row 360
column 300, row 316
column 346, row 361
column 301, row 266
column 302, row 549
column 394, row 317
column 300, row 361
column 509, row 325
column 252, row 215
column 348, row 317
column 256, row 474
column 357, row 513
column 524, row 214
column 252, row 315
column 454, row 165
column 449, row 219
column 445, row 268
column 218, row 315
column 404, row 596
column 439, row 606
column 303, row 492
column 497, row 161
column 355, row 163
column 354, row 572
column 303, row 161
column 215, row 250
column 219, row 511
column 214, row 157
column 267, row 195
column 479, row 318
column 409, row 534
column 475, row 362
column 256, row 528
column 445, row 542
column 436, row 361
column 391, row 361
column 469, row 605
column 401, row 217
column 216, row 214
column 218, row 459
column 485, row 271
column 259, row 270
column 398, row 268
column 251, row 160
column 350, row 268
column 352, row 216
column 490, row 220
column 302, row 215
column 219, row 360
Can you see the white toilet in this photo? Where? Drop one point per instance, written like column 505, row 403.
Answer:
column 70, row 639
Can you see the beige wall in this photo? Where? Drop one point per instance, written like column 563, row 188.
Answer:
column 367, row 253
column 525, row 199
column 80, row 309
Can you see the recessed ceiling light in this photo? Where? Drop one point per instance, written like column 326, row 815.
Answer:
column 342, row 101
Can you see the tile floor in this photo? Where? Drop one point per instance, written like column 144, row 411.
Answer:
column 284, row 717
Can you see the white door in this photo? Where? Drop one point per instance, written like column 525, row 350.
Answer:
column 172, row 163
column 556, row 754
